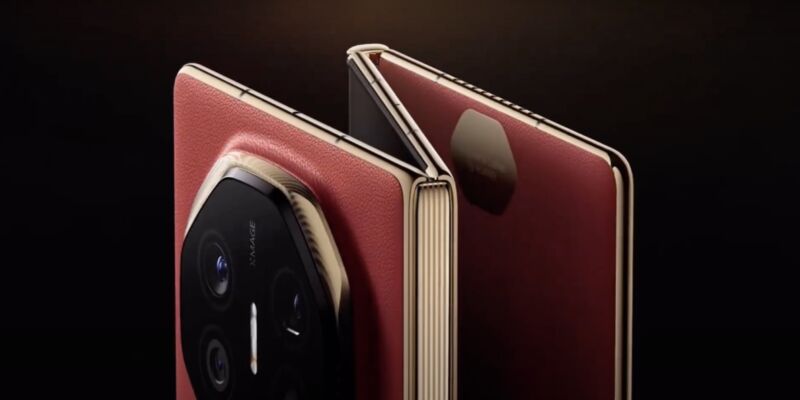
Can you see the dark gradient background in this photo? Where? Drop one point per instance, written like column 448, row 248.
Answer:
column 701, row 98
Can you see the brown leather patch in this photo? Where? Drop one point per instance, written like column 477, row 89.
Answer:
column 484, row 165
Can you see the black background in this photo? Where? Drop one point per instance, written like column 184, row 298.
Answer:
column 701, row 98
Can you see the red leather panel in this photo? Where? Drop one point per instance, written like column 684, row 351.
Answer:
column 537, row 283
column 362, row 203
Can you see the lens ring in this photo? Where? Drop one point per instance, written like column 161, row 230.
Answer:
column 217, row 365
column 290, row 307
column 215, row 266
column 221, row 273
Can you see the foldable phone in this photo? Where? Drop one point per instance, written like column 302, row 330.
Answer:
column 544, row 224
column 315, row 264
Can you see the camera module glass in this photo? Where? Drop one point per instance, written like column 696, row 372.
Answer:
column 216, row 268
column 289, row 305
column 217, row 365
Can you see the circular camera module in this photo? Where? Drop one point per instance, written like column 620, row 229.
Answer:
column 216, row 267
column 217, row 365
column 289, row 306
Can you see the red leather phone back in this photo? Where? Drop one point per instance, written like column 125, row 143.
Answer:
column 537, row 282
column 362, row 203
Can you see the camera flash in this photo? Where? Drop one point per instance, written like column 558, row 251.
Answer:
column 253, row 339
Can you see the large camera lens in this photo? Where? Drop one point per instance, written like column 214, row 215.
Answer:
column 289, row 305
column 217, row 365
column 216, row 268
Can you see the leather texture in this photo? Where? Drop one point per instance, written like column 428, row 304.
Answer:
column 536, row 283
column 363, row 205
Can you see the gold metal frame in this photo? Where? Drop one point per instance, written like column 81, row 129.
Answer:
column 431, row 334
column 359, row 55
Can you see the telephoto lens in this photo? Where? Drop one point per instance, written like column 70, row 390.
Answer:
column 217, row 365
column 216, row 268
column 289, row 306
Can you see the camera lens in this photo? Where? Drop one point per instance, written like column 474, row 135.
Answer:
column 217, row 365
column 289, row 305
column 216, row 268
